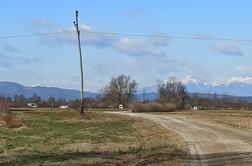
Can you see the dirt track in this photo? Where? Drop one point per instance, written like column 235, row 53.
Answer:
column 209, row 144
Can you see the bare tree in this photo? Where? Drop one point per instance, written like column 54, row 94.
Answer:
column 51, row 101
column 172, row 91
column 120, row 90
column 132, row 89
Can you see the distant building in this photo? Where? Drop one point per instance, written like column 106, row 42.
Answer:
column 32, row 105
column 195, row 108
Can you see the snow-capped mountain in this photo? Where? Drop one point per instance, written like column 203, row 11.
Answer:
column 235, row 86
column 192, row 80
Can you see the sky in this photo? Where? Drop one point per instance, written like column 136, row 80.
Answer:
column 53, row 60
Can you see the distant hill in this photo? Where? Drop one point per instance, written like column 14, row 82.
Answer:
column 239, row 91
column 9, row 89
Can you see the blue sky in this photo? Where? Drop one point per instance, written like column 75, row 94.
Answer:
column 53, row 60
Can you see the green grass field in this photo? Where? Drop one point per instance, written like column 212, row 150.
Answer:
column 58, row 138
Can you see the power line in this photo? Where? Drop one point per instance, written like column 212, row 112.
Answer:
column 130, row 34
column 35, row 34
column 171, row 37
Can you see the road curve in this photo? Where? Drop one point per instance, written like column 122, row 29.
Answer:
column 209, row 144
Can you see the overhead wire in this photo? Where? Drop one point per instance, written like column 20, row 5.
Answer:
column 34, row 34
column 130, row 35
column 171, row 36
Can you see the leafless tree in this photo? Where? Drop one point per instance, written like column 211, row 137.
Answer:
column 172, row 91
column 120, row 90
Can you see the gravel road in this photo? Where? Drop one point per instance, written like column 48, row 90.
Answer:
column 208, row 144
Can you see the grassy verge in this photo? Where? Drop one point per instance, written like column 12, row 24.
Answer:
column 239, row 119
column 57, row 138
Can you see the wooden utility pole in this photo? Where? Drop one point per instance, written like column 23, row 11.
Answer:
column 76, row 24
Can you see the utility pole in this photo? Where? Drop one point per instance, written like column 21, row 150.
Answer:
column 76, row 24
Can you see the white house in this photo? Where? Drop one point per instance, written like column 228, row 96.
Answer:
column 32, row 105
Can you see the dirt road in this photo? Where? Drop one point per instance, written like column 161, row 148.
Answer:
column 208, row 144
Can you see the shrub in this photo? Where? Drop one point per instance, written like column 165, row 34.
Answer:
column 188, row 107
column 4, row 105
column 169, row 107
column 11, row 121
column 152, row 107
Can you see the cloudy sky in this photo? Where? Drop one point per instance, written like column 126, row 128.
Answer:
column 151, row 55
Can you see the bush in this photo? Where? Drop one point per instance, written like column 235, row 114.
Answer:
column 4, row 105
column 169, row 107
column 152, row 107
column 188, row 107
column 11, row 121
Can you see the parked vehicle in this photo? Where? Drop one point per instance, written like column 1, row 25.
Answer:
column 120, row 106
column 63, row 106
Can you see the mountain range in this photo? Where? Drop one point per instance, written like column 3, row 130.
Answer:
column 9, row 89
column 234, row 87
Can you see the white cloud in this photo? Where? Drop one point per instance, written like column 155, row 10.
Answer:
column 88, row 37
column 86, row 28
column 139, row 47
column 151, row 46
column 228, row 49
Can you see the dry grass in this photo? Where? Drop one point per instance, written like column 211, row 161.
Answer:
column 9, row 119
column 57, row 138
column 152, row 107
column 239, row 119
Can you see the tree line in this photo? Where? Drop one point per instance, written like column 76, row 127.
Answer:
column 123, row 90
column 21, row 101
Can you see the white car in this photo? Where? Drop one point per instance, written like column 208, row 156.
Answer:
column 63, row 106
column 120, row 106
